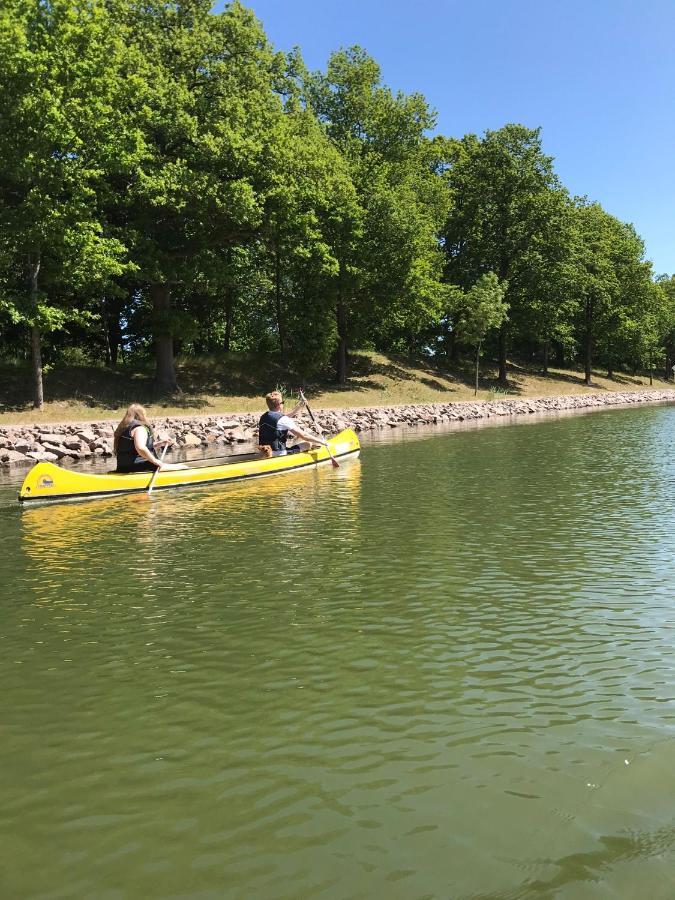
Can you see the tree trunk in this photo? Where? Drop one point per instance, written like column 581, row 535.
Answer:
column 475, row 392
column 277, row 299
column 502, row 355
column 341, row 315
column 651, row 370
column 453, row 347
column 106, row 332
column 35, row 334
column 588, row 342
column 36, row 347
column 229, row 313
column 112, row 330
column 165, row 372
column 547, row 345
column 114, row 338
column 229, row 304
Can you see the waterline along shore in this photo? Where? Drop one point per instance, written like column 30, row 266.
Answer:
column 23, row 445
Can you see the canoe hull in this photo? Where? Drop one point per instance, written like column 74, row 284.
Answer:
column 47, row 482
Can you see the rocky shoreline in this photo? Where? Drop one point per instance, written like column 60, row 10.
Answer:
column 23, row 445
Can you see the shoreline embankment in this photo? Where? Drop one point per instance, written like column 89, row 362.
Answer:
column 23, row 445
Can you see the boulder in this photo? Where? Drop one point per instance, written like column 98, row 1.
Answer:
column 87, row 436
column 14, row 458
column 73, row 444
column 191, row 440
column 48, row 437
column 58, row 451
column 41, row 456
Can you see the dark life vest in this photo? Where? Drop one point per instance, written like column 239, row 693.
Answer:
column 268, row 433
column 127, row 457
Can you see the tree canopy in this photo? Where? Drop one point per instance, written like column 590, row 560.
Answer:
column 169, row 181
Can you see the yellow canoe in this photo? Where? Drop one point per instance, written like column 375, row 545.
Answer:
column 46, row 482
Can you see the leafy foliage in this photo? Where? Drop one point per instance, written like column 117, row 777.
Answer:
column 168, row 181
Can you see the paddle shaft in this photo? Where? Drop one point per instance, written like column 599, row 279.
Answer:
column 154, row 474
column 336, row 464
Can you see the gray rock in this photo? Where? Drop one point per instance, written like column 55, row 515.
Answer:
column 42, row 456
column 47, row 437
column 14, row 458
column 58, row 451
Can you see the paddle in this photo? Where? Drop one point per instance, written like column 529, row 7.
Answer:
column 336, row 464
column 154, row 474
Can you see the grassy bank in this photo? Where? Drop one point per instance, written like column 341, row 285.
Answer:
column 237, row 384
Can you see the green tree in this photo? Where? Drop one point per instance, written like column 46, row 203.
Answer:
column 55, row 92
column 480, row 310
column 200, row 106
column 507, row 204
column 614, row 286
column 665, row 285
column 389, row 261
column 310, row 204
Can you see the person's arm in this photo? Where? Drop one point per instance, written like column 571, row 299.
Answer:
column 300, row 405
column 308, row 436
column 140, row 436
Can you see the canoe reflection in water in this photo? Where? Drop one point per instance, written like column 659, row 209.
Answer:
column 138, row 536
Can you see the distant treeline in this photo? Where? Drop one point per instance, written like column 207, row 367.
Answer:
column 170, row 182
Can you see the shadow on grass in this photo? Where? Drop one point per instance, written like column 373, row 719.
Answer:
column 437, row 385
column 253, row 375
column 362, row 365
column 113, row 388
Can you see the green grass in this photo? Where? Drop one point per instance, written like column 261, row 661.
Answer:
column 237, row 383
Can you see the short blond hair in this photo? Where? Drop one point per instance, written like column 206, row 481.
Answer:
column 274, row 399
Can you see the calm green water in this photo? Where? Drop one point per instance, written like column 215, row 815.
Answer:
column 443, row 671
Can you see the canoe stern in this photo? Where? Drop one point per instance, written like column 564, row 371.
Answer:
column 41, row 482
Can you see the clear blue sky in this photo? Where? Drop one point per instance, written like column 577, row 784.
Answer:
column 598, row 76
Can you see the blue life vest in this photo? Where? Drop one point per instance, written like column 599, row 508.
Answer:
column 268, row 433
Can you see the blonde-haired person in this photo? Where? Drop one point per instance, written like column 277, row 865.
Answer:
column 275, row 426
column 134, row 445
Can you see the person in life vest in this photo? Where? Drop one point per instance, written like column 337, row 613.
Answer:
column 275, row 426
column 134, row 445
